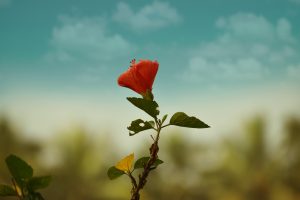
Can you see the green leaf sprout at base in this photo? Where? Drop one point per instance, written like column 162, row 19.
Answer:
column 114, row 173
column 164, row 118
column 140, row 163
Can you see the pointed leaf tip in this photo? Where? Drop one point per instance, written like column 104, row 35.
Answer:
column 19, row 169
column 164, row 118
column 182, row 119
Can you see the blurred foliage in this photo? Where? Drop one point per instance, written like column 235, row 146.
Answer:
column 24, row 185
column 240, row 167
column 12, row 143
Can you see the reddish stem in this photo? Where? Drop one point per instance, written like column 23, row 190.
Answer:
column 135, row 192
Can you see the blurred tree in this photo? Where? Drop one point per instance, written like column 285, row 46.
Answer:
column 291, row 160
column 81, row 170
column 11, row 142
column 243, row 168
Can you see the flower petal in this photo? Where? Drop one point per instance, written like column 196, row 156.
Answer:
column 128, row 79
column 140, row 76
column 148, row 70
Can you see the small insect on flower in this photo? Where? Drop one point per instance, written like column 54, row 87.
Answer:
column 140, row 77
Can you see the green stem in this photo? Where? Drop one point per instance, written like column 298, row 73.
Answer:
column 166, row 125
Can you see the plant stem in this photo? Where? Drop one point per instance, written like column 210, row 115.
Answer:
column 135, row 192
column 20, row 196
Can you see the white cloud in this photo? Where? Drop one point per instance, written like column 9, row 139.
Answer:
column 295, row 1
column 255, row 27
column 249, row 47
column 239, row 69
column 293, row 71
column 5, row 2
column 149, row 17
column 246, row 25
column 86, row 44
column 88, row 39
column 284, row 30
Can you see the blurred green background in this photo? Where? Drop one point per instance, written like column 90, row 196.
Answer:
column 240, row 166
column 233, row 64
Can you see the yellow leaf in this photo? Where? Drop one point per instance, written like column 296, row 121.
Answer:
column 126, row 163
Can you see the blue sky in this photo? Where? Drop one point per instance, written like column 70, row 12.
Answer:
column 67, row 55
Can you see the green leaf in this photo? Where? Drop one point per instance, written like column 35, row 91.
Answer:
column 41, row 182
column 164, row 118
column 149, row 106
column 19, row 169
column 139, row 125
column 152, row 123
column 181, row 119
column 141, row 162
column 114, row 173
column 6, row 190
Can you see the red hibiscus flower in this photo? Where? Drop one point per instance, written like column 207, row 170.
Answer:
column 140, row 77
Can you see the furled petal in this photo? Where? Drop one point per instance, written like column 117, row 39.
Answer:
column 139, row 77
column 147, row 69
column 128, row 79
